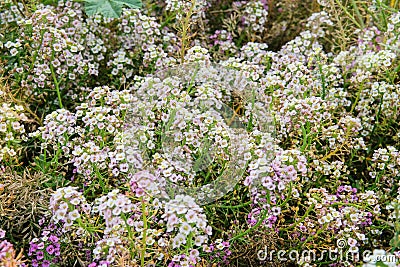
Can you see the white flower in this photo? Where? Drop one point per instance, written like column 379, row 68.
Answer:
column 13, row 51
column 185, row 228
column 57, row 47
column 73, row 215
column 352, row 242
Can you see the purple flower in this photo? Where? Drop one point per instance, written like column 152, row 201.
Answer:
column 272, row 219
column 41, row 245
column 40, row 255
column 33, row 248
column 52, row 226
column 2, row 233
column 53, row 238
column 41, row 221
column 50, row 249
column 57, row 251
column 46, row 263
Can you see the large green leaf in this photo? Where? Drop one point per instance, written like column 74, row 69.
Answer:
column 109, row 8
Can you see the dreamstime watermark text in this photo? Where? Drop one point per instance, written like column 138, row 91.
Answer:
column 340, row 253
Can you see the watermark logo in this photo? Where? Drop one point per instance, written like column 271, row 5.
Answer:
column 341, row 253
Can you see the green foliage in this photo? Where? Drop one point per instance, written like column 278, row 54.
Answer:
column 109, row 8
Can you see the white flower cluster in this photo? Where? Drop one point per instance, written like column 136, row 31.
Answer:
column 186, row 224
column 12, row 129
column 255, row 16
column 182, row 7
column 197, row 53
column 67, row 205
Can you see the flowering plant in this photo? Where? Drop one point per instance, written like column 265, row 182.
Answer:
column 199, row 133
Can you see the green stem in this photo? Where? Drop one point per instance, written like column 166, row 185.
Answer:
column 185, row 30
column 37, row 51
column 264, row 215
column 344, row 9
column 383, row 14
column 357, row 98
column 322, row 81
column 377, row 116
column 360, row 18
column 143, row 252
column 56, row 84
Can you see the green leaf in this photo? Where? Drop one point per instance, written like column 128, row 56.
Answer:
column 381, row 264
column 109, row 8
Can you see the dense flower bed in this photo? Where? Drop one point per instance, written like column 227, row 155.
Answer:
column 106, row 123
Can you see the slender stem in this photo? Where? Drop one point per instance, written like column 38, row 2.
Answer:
column 264, row 215
column 377, row 116
column 56, row 84
column 357, row 98
column 322, row 79
column 261, row 220
column 20, row 11
column 332, row 153
column 360, row 18
column 26, row 108
column 37, row 50
column 167, row 20
column 143, row 252
column 348, row 14
column 185, row 29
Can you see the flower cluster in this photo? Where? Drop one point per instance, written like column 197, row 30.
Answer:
column 10, row 12
column 106, row 248
column 102, row 116
column 317, row 21
column 144, row 183
column 255, row 15
column 12, row 129
column 270, row 183
column 347, row 214
column 299, row 143
column 385, row 167
column 219, row 250
column 185, row 224
column 196, row 126
column 222, row 42
column 299, row 114
column 8, row 255
column 45, row 251
column 197, row 53
column 68, row 205
column 56, row 59
column 112, row 207
column 374, row 96
column 182, row 7
column 142, row 40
